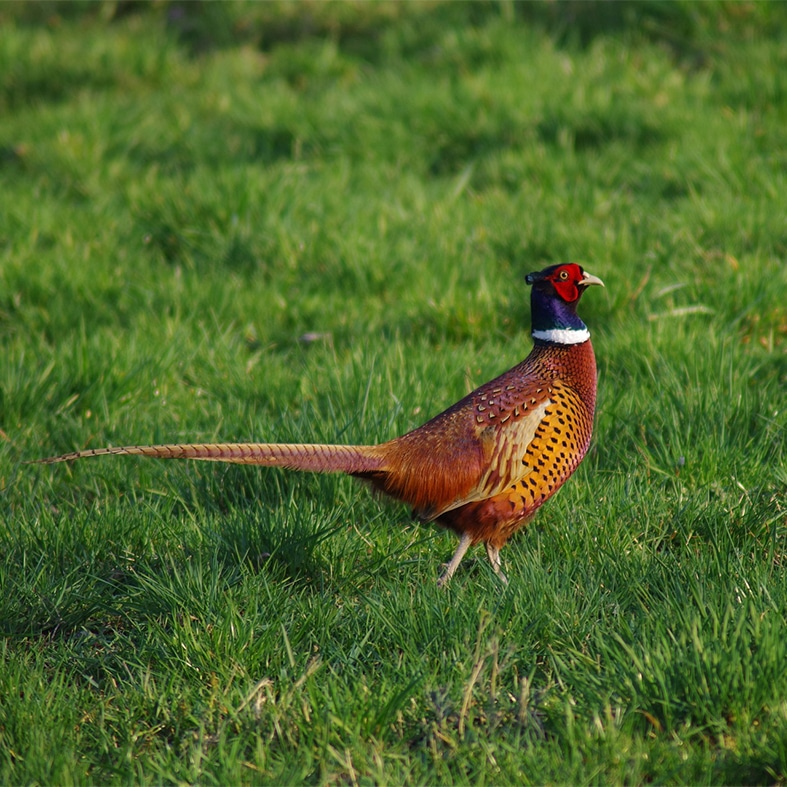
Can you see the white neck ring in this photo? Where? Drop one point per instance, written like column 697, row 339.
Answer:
column 563, row 335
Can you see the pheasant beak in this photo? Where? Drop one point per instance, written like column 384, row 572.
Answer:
column 588, row 279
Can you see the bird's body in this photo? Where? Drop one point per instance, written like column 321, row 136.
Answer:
column 483, row 466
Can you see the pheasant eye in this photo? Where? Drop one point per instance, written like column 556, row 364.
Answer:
column 563, row 275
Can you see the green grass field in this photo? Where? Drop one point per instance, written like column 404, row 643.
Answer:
column 311, row 222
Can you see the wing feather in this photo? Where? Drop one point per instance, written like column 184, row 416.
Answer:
column 505, row 451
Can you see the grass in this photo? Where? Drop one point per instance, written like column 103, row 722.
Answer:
column 311, row 222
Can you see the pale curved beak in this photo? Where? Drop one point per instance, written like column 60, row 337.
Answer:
column 589, row 278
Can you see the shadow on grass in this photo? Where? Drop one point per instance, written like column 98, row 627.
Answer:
column 87, row 564
column 376, row 32
column 361, row 30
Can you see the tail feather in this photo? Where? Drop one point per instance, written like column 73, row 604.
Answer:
column 314, row 458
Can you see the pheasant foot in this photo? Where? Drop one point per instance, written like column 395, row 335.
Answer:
column 464, row 545
column 493, row 553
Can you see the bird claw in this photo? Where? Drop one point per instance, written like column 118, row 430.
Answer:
column 493, row 553
column 464, row 545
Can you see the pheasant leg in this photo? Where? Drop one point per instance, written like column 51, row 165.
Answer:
column 464, row 545
column 493, row 553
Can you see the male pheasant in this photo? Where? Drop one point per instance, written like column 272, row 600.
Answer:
column 484, row 466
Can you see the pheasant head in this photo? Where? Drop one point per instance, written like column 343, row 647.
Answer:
column 553, row 303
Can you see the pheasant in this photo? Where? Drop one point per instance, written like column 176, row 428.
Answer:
column 483, row 466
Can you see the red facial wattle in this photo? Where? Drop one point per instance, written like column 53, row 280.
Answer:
column 565, row 280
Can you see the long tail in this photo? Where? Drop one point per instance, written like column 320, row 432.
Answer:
column 316, row 458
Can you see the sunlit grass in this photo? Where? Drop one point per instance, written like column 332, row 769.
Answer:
column 311, row 222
